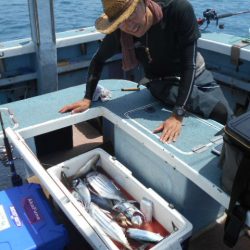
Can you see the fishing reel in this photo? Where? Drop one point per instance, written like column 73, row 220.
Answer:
column 208, row 16
column 211, row 15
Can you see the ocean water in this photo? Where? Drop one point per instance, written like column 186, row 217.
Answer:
column 73, row 14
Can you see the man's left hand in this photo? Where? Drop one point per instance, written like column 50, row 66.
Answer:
column 170, row 129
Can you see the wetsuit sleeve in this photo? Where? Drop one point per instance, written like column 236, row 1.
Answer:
column 109, row 47
column 188, row 66
column 188, row 33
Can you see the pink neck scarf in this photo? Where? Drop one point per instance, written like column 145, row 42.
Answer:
column 129, row 60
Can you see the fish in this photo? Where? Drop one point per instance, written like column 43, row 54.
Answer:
column 144, row 246
column 108, row 225
column 144, row 235
column 85, row 168
column 102, row 202
column 130, row 211
column 76, row 196
column 137, row 220
column 123, row 220
column 81, row 188
column 65, row 180
column 104, row 186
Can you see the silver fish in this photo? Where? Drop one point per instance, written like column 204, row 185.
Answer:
column 83, row 191
column 76, row 196
column 109, row 226
column 65, row 180
column 143, row 247
column 122, row 220
column 104, row 186
column 130, row 211
column 144, row 235
column 102, row 202
column 85, row 168
column 137, row 220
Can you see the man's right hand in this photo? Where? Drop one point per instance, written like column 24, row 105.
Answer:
column 76, row 107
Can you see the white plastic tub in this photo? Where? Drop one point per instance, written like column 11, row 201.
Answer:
column 162, row 212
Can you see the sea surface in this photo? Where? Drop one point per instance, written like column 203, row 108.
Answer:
column 74, row 14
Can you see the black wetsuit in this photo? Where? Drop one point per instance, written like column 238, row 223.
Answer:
column 172, row 45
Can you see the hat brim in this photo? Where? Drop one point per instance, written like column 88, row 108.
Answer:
column 104, row 25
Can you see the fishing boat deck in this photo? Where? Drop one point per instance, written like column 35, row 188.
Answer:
column 126, row 110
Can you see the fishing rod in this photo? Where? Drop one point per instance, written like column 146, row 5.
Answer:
column 211, row 15
column 15, row 178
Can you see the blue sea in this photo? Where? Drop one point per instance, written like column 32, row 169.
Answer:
column 73, row 14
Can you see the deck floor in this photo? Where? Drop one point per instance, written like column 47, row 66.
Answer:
column 85, row 138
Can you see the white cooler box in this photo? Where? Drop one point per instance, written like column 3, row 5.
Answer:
column 162, row 212
column 179, row 228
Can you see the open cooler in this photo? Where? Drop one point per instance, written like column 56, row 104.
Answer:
column 177, row 227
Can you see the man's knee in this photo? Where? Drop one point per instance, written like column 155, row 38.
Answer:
column 219, row 113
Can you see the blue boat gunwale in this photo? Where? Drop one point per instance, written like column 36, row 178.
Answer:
column 63, row 39
column 217, row 42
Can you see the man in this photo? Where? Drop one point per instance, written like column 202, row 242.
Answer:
column 161, row 36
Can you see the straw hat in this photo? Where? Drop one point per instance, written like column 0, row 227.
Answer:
column 115, row 12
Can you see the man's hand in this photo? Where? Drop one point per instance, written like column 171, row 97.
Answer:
column 76, row 107
column 170, row 129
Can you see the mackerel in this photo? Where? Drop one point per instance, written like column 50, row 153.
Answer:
column 130, row 211
column 83, row 192
column 102, row 202
column 108, row 225
column 104, row 186
column 85, row 168
column 144, row 235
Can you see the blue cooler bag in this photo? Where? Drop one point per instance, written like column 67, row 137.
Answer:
column 27, row 221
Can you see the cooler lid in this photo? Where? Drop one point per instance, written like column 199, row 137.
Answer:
column 240, row 126
column 204, row 134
